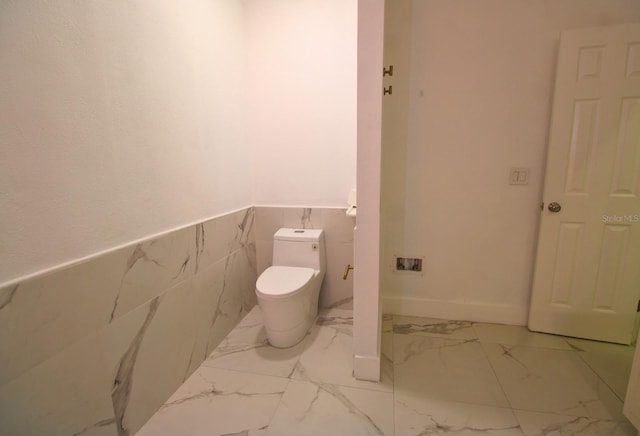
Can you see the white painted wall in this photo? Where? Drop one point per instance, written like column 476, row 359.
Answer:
column 118, row 120
column 477, row 78
column 302, row 92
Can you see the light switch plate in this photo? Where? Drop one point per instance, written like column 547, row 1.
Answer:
column 519, row 176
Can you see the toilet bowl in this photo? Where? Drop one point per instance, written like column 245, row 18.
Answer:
column 288, row 291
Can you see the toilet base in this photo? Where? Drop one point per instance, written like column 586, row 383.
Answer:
column 288, row 338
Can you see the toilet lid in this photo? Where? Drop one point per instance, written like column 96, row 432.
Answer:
column 280, row 280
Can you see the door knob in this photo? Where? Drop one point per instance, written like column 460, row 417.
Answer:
column 554, row 207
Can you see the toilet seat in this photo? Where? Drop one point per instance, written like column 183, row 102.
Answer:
column 283, row 281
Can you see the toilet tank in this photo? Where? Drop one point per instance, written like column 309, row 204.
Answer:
column 299, row 247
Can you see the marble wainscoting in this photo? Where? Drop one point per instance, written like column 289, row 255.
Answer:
column 96, row 348
column 338, row 228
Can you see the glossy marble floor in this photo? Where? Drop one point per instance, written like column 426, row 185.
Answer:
column 439, row 377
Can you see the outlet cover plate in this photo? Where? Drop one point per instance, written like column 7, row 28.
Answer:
column 519, row 176
column 408, row 264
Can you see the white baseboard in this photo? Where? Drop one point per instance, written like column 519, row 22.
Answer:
column 467, row 311
column 366, row 367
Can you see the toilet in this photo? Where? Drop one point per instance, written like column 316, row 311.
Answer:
column 288, row 291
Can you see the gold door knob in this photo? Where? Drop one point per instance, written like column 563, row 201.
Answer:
column 554, row 207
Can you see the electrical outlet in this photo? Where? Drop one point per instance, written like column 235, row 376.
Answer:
column 408, row 264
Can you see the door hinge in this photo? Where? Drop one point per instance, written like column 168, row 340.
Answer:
column 638, row 307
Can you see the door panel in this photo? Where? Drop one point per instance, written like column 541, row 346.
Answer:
column 583, row 145
column 625, row 179
column 633, row 60
column 608, row 283
column 564, row 272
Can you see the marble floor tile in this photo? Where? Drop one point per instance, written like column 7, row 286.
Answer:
column 438, row 377
column 535, row 423
column 445, row 369
column 518, row 335
column 322, row 409
column 217, row 402
column 328, row 354
column 612, row 362
column 554, row 381
column 418, row 415
column 246, row 348
column 412, row 325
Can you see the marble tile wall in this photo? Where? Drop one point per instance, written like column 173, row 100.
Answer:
column 98, row 347
column 338, row 229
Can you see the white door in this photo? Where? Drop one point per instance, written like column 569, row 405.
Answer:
column 587, row 273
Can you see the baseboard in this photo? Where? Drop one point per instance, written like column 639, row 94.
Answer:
column 366, row 367
column 467, row 311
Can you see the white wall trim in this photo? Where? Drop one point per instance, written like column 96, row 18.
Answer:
column 366, row 367
column 304, row 206
column 456, row 310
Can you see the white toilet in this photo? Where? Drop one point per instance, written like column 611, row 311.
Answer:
column 288, row 291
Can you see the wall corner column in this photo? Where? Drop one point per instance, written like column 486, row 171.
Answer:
column 366, row 307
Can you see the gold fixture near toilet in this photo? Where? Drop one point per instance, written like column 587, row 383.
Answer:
column 346, row 272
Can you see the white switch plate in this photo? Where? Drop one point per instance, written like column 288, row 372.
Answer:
column 519, row 176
